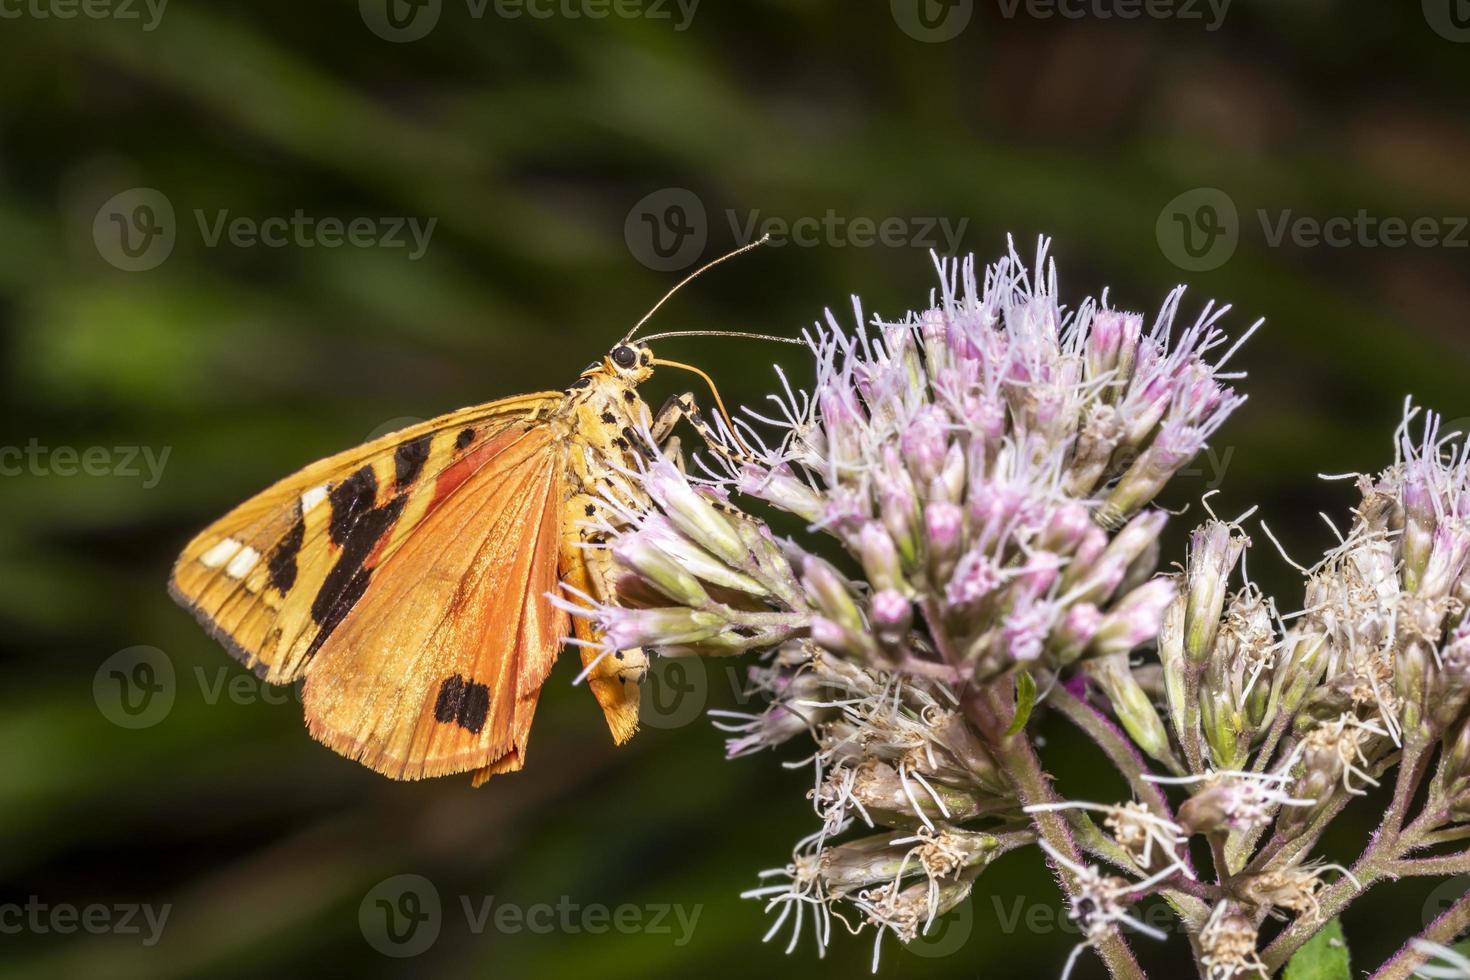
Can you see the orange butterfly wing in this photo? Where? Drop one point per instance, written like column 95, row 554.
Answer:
column 437, row 669
column 273, row 577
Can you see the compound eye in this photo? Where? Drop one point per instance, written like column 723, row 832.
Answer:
column 624, row 357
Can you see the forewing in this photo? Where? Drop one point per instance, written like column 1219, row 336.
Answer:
column 277, row 575
column 438, row 668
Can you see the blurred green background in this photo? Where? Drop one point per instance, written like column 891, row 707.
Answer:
column 574, row 166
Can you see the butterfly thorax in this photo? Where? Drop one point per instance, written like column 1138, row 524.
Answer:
column 602, row 416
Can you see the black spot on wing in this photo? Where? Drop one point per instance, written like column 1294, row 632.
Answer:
column 465, row 437
column 350, row 500
column 475, row 707
column 451, row 696
column 409, row 459
column 609, row 418
column 282, row 562
column 348, row 579
column 462, row 702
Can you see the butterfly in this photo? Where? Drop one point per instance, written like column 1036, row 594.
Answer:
column 410, row 581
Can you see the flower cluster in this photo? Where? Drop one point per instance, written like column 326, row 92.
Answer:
column 975, row 483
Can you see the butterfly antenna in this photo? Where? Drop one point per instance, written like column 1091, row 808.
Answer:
column 727, row 333
column 690, row 278
column 719, row 402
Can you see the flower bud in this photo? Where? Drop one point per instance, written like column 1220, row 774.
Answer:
column 890, row 798
column 692, row 513
column 973, row 578
column 879, row 557
column 1420, row 521
column 780, row 487
column 1112, row 340
column 854, row 865
column 949, row 484
column 898, row 507
column 653, row 566
column 626, row 628
column 1456, row 769
column 892, row 615
column 1075, row 632
column 1106, row 573
column 944, row 528
column 1065, row 528
column 1137, row 619
column 830, row 594
column 1213, row 552
column 1130, row 703
column 661, row 534
column 925, row 443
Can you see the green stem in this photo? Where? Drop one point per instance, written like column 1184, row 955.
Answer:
column 1116, row 745
column 1447, row 864
column 1018, row 760
column 1376, row 863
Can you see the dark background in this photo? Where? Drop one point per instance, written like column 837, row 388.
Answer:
column 536, row 144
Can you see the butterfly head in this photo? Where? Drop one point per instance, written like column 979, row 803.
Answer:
column 630, row 363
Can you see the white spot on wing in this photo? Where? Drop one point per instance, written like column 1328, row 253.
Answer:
column 220, row 553
column 312, row 497
column 242, row 563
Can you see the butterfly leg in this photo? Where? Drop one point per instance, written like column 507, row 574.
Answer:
column 614, row 677
column 685, row 407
